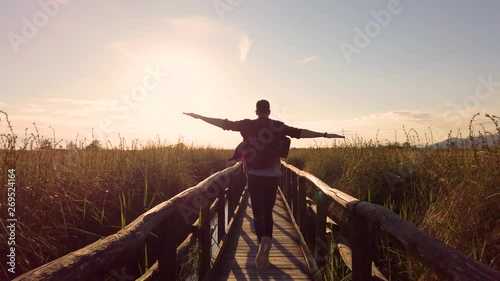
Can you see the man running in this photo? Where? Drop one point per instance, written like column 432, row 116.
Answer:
column 264, row 141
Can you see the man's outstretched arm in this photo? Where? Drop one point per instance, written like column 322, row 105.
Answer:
column 311, row 134
column 214, row 121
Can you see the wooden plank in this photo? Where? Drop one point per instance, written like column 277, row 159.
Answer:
column 249, row 272
column 287, row 261
column 310, row 262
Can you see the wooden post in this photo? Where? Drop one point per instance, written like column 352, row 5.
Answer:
column 302, row 207
column 205, row 242
column 288, row 185
column 320, row 248
column 167, row 256
column 221, row 216
column 230, row 195
column 242, row 183
column 281, row 180
column 361, row 235
column 285, row 177
column 293, row 195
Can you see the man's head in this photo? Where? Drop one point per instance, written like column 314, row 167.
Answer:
column 263, row 108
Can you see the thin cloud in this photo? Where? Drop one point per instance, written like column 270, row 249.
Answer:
column 33, row 108
column 77, row 101
column 60, row 108
column 183, row 36
column 62, row 114
column 245, row 45
column 308, row 59
column 415, row 116
column 399, row 115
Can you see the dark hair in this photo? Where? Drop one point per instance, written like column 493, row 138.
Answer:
column 263, row 106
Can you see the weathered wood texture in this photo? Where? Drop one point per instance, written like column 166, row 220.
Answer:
column 286, row 258
column 449, row 262
column 344, row 199
column 443, row 259
column 184, row 247
column 361, row 236
column 346, row 254
column 180, row 227
column 218, row 257
column 310, row 261
column 343, row 246
column 112, row 251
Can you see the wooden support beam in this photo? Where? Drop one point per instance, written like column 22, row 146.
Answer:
column 302, row 208
column 230, row 195
column 205, row 242
column 292, row 202
column 221, row 217
column 361, row 235
column 225, row 240
column 321, row 247
column 167, row 255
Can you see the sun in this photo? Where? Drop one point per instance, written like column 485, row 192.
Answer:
column 193, row 84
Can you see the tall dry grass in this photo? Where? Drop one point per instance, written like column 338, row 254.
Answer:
column 453, row 194
column 69, row 198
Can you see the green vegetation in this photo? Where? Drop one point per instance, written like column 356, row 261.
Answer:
column 69, row 198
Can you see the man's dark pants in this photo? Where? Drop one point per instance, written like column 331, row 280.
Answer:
column 263, row 196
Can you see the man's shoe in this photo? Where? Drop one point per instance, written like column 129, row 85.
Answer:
column 262, row 259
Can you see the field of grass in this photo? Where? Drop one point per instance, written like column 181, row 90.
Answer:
column 452, row 195
column 69, row 198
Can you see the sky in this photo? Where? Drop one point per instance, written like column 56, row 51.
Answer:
column 365, row 69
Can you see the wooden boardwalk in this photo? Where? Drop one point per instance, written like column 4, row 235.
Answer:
column 237, row 249
column 287, row 261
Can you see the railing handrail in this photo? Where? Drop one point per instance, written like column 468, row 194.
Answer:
column 444, row 259
column 109, row 251
column 341, row 198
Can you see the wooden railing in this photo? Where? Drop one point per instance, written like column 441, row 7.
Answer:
column 365, row 218
column 185, row 219
column 180, row 221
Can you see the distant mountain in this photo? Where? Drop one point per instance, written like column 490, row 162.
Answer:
column 479, row 142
